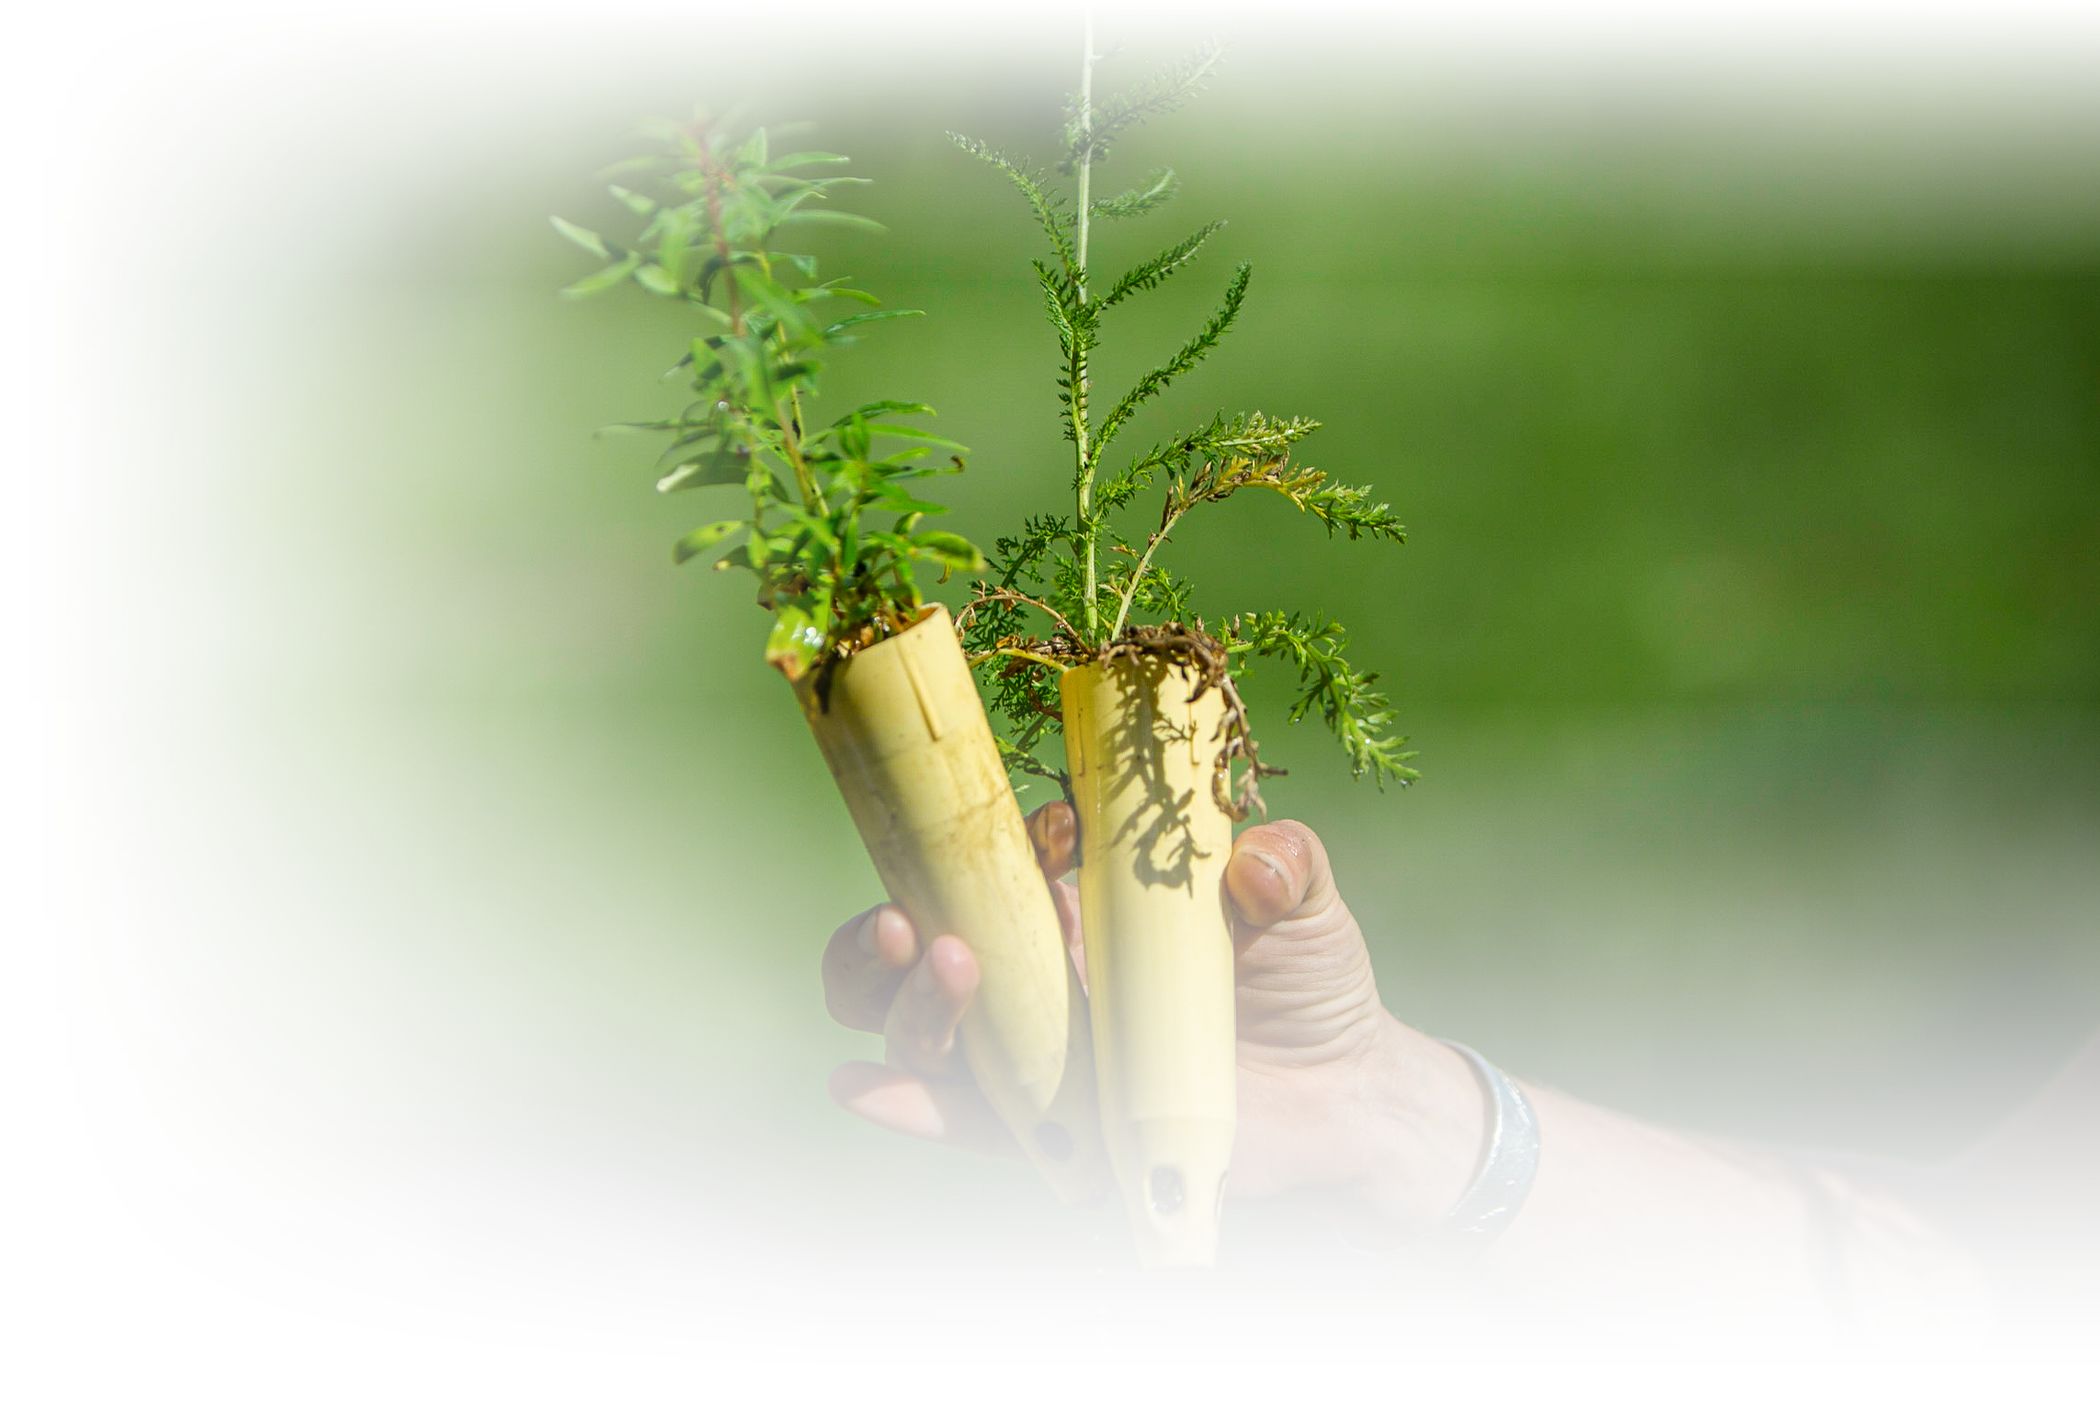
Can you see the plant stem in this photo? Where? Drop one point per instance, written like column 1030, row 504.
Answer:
column 1082, row 453
column 791, row 422
column 791, row 441
column 1144, row 563
column 1086, row 132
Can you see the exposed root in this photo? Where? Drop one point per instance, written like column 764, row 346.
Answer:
column 1191, row 649
column 1202, row 655
column 986, row 593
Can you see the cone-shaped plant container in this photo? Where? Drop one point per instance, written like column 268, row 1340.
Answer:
column 1143, row 750
column 906, row 738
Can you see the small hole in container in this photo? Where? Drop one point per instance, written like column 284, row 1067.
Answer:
column 1168, row 1192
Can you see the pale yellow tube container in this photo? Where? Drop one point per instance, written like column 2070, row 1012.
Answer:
column 905, row 735
column 1153, row 846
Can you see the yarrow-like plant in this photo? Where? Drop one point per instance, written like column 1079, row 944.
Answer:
column 833, row 532
column 1072, row 589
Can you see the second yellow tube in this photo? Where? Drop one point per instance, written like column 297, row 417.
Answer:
column 1142, row 748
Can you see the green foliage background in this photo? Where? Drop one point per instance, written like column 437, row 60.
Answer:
column 1748, row 630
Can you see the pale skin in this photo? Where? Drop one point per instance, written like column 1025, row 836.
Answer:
column 1341, row 1101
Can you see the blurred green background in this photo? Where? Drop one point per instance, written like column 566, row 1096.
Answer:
column 1749, row 629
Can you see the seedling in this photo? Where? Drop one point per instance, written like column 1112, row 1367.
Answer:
column 835, row 535
column 1082, row 628
column 836, row 574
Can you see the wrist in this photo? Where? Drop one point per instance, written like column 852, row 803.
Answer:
column 1423, row 1120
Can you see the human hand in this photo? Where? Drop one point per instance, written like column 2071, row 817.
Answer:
column 1335, row 1094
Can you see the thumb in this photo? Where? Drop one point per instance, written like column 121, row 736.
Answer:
column 1278, row 873
column 1306, row 992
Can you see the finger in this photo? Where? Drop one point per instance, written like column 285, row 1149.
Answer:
column 944, row 1112
column 864, row 965
column 1278, row 872
column 1054, row 832
column 920, row 1028
column 1066, row 898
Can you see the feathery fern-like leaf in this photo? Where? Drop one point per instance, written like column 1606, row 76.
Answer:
column 1160, row 266
column 1182, row 361
column 1346, row 699
column 1171, row 87
column 1049, row 206
column 1161, row 186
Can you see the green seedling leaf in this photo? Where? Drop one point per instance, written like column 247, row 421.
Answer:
column 859, row 318
column 602, row 279
column 714, row 470
column 636, row 203
column 795, row 160
column 583, row 238
column 883, row 407
column 851, row 294
column 949, row 550
column 778, row 302
column 698, row 542
column 904, row 430
column 837, row 218
column 794, row 643
column 658, row 280
column 897, row 499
